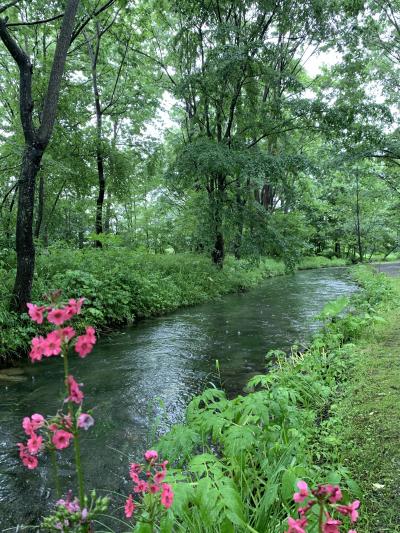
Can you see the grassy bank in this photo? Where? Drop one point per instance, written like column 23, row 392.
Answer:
column 237, row 461
column 321, row 262
column 122, row 286
column 369, row 429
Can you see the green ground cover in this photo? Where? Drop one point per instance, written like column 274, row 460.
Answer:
column 369, row 428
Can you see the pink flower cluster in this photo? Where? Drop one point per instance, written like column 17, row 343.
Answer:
column 327, row 497
column 58, row 433
column 28, row 451
column 153, row 483
column 52, row 344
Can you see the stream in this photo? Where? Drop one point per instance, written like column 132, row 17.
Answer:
column 140, row 379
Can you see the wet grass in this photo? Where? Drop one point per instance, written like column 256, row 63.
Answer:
column 370, row 425
column 321, row 262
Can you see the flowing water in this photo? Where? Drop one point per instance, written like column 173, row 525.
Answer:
column 140, row 380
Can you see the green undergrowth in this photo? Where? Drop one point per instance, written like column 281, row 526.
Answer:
column 369, row 428
column 319, row 261
column 122, row 286
column 237, row 460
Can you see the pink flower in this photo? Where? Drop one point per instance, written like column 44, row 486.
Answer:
column 75, row 394
column 83, row 345
column 52, row 344
column 303, row 492
column 38, row 345
column 160, row 476
column 72, row 505
column 61, row 439
column 352, row 531
column 32, row 424
column 67, row 333
column 66, row 421
column 37, row 421
column 129, row 507
column 142, row 486
column 74, row 306
column 36, row 312
column 154, row 488
column 85, row 421
column 336, row 493
column 331, row 525
column 296, row 526
column 350, row 510
column 167, row 495
column 134, row 477
column 22, row 448
column 30, row 461
column 57, row 316
column 135, row 467
column 34, row 443
column 151, row 455
column 91, row 334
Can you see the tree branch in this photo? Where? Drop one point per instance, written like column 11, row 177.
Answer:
column 57, row 70
column 25, row 80
column 89, row 18
column 35, row 22
column 10, row 4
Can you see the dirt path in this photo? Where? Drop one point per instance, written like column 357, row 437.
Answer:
column 391, row 269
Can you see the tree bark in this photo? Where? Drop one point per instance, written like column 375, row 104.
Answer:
column 217, row 203
column 100, row 196
column 358, row 221
column 40, row 210
column 239, row 223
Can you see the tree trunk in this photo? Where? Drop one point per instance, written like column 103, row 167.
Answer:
column 39, row 218
column 217, row 203
column 100, row 197
column 108, row 214
column 240, row 205
column 358, row 222
column 218, row 252
column 24, row 238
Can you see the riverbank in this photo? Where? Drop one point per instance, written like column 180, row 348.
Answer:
column 123, row 286
column 249, row 452
column 369, row 429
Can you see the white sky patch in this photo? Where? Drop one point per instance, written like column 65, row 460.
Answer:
column 321, row 59
column 163, row 121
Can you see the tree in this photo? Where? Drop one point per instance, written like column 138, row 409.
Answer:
column 236, row 67
column 36, row 141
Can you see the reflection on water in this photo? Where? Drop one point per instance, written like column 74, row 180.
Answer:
column 140, row 380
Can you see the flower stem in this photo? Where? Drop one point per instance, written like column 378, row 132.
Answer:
column 79, row 473
column 65, row 359
column 78, row 464
column 321, row 518
column 55, row 470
